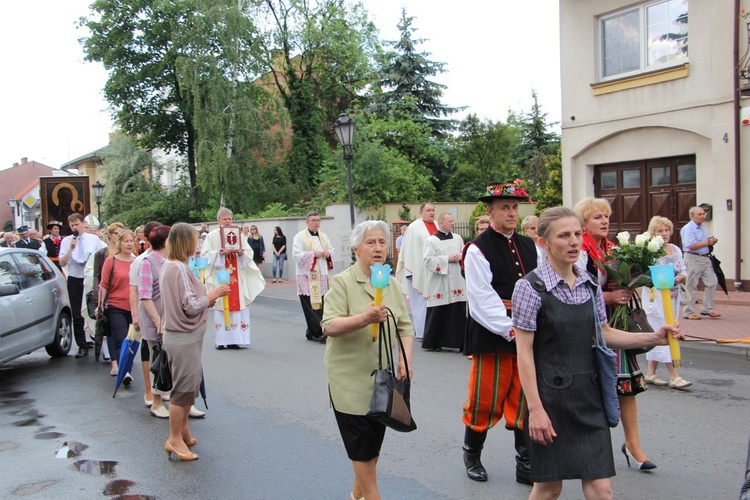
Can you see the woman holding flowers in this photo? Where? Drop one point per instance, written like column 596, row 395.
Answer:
column 594, row 213
column 663, row 228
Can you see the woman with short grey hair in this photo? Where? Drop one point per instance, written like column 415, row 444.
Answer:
column 351, row 355
column 369, row 225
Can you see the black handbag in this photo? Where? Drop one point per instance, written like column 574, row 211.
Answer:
column 160, row 369
column 102, row 323
column 605, row 360
column 389, row 403
column 638, row 323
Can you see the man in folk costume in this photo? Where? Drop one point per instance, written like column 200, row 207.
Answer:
column 445, row 288
column 493, row 263
column 246, row 282
column 410, row 269
column 313, row 255
column 52, row 242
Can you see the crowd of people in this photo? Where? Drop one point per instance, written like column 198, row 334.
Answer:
column 524, row 308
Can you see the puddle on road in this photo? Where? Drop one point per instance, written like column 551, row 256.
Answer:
column 95, row 467
column 8, row 445
column 70, row 449
column 28, row 413
column 12, row 394
column 118, row 487
column 13, row 403
column 32, row 488
column 48, row 435
column 26, row 422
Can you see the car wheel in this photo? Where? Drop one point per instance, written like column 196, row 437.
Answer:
column 60, row 346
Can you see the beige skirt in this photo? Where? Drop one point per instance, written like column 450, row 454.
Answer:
column 184, row 352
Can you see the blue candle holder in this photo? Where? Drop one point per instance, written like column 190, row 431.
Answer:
column 223, row 277
column 663, row 276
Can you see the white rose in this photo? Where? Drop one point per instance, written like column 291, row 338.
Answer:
column 642, row 239
column 655, row 244
column 623, row 238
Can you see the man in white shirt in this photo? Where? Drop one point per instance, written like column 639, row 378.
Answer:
column 75, row 250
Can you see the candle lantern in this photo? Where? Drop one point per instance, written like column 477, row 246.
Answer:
column 380, row 275
column 663, row 278
column 223, row 277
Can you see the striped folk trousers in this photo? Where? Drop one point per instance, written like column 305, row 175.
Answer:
column 494, row 392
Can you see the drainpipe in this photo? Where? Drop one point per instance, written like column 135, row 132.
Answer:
column 737, row 155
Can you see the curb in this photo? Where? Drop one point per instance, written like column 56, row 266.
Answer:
column 703, row 345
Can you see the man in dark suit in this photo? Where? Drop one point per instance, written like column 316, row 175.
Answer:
column 25, row 241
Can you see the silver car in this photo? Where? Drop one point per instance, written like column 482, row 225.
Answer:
column 34, row 307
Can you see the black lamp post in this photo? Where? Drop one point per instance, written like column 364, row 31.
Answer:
column 98, row 190
column 344, row 128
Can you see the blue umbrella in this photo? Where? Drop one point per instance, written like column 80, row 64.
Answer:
column 127, row 355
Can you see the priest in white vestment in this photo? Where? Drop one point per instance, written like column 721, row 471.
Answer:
column 410, row 270
column 246, row 283
column 445, row 288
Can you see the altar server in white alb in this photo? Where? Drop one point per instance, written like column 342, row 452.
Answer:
column 246, row 282
column 410, row 270
column 445, row 288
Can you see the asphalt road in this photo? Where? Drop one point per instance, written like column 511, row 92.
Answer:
column 270, row 434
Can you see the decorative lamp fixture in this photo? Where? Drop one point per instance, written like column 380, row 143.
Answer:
column 344, row 128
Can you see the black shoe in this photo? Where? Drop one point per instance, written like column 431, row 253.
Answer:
column 127, row 380
column 523, row 476
column 322, row 339
column 82, row 352
column 645, row 466
column 313, row 339
column 474, row 468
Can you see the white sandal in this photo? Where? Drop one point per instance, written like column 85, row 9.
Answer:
column 655, row 380
column 679, row 383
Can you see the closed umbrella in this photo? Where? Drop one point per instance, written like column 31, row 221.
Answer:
column 716, row 264
column 127, row 355
column 203, row 389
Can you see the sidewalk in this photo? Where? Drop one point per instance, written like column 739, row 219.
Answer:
column 732, row 325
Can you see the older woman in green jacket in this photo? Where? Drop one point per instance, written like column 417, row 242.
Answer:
column 351, row 355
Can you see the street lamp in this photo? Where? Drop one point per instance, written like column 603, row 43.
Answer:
column 13, row 206
column 98, row 190
column 344, row 128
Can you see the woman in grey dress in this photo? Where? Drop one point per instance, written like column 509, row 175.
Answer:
column 554, row 320
column 185, row 311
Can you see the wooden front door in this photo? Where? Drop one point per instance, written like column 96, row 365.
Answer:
column 639, row 190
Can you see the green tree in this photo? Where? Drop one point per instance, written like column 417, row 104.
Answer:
column 487, row 146
column 317, row 53
column 405, row 88
column 550, row 194
column 137, row 42
column 132, row 194
column 537, row 142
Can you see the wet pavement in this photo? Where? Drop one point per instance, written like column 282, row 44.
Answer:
column 270, row 433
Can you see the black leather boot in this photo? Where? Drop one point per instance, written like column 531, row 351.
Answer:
column 523, row 465
column 473, row 443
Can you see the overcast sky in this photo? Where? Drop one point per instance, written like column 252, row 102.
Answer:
column 52, row 109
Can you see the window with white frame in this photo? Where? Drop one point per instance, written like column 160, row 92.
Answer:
column 643, row 38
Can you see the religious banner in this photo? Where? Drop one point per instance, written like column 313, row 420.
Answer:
column 62, row 197
column 231, row 238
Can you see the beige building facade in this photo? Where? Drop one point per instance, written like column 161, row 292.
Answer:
column 650, row 120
